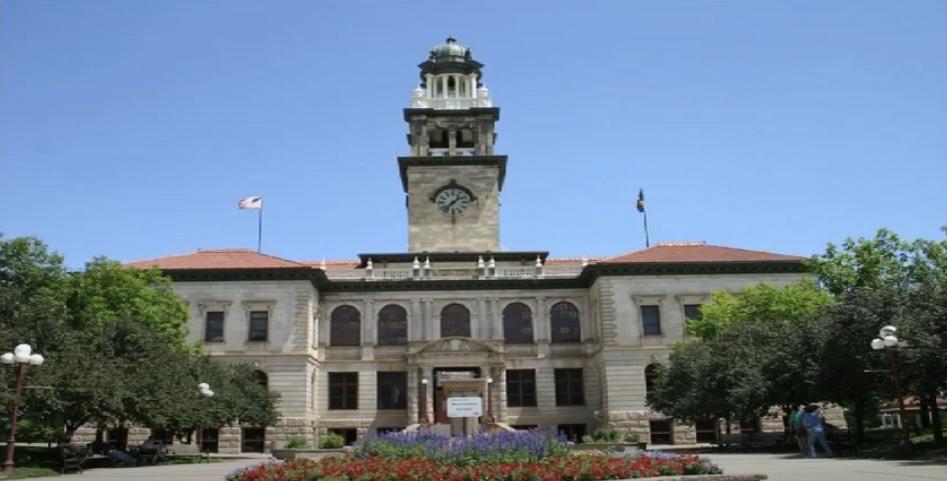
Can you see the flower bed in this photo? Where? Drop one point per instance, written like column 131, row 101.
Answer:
column 520, row 456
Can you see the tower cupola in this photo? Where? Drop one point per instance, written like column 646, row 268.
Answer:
column 450, row 79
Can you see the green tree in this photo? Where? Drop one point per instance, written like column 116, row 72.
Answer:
column 113, row 338
column 762, row 303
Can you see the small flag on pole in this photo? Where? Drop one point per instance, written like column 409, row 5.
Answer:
column 251, row 203
column 255, row 202
column 640, row 206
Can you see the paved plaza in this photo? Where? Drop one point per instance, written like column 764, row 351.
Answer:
column 787, row 467
column 777, row 467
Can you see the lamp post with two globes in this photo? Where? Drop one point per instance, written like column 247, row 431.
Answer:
column 22, row 357
column 888, row 341
column 205, row 391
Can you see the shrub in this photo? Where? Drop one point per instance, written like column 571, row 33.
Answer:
column 518, row 446
column 332, row 441
column 610, row 437
column 297, row 443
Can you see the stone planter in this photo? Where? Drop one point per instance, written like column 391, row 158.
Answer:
column 614, row 447
column 305, row 453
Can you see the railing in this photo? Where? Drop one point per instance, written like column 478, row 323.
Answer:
column 456, row 103
column 456, row 273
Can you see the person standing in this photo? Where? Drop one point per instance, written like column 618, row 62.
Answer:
column 798, row 430
column 815, row 430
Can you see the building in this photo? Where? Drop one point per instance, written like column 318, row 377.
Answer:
column 371, row 345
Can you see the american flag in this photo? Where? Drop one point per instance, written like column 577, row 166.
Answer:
column 251, row 203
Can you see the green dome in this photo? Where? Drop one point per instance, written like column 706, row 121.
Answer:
column 450, row 48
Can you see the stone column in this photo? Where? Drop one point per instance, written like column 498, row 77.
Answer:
column 452, row 141
column 414, row 321
column 430, row 331
column 414, row 381
column 443, row 79
column 369, row 338
column 427, row 372
column 472, row 80
column 496, row 321
column 429, row 85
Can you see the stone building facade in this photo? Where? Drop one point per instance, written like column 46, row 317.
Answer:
column 367, row 345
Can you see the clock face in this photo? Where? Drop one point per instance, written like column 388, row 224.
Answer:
column 452, row 201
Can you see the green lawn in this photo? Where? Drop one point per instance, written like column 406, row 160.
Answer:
column 33, row 461
column 885, row 444
column 30, row 472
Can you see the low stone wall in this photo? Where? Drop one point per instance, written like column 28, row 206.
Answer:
column 706, row 477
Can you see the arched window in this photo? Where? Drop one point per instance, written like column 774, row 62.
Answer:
column 392, row 326
column 517, row 324
column 564, row 319
column 651, row 375
column 345, row 327
column 455, row 321
column 262, row 378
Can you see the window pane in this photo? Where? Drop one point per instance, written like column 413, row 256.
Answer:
column 651, row 320
column 455, row 321
column 345, row 327
column 214, row 328
column 565, row 323
column 343, row 390
column 570, row 388
column 259, row 322
column 521, row 387
column 392, row 326
column 392, row 389
column 691, row 312
column 518, row 324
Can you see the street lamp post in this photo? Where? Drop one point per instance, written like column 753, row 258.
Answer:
column 888, row 341
column 424, row 420
column 205, row 391
column 22, row 357
column 489, row 400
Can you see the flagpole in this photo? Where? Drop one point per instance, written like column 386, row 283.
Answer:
column 259, row 230
column 647, row 238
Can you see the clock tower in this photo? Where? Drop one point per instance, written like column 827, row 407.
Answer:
column 452, row 177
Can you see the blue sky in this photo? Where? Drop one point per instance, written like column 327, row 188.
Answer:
column 130, row 129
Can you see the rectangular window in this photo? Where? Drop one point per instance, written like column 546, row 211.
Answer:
column 706, row 431
column 570, row 389
column 259, row 325
column 343, row 390
column 350, row 435
column 386, row 430
column 750, row 425
column 651, row 320
column 520, row 387
column 572, row 432
column 214, row 326
column 209, row 440
column 691, row 312
column 252, row 440
column 661, row 431
column 392, row 387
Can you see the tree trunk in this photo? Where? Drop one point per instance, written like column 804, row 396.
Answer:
column 925, row 412
column 727, row 439
column 859, row 422
column 935, row 418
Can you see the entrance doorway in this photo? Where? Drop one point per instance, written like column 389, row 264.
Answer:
column 440, row 400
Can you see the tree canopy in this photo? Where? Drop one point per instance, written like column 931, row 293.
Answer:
column 114, row 342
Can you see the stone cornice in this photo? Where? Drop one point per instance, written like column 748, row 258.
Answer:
column 588, row 276
column 496, row 160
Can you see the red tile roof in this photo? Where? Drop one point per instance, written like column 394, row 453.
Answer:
column 663, row 252
column 696, row 252
column 218, row 259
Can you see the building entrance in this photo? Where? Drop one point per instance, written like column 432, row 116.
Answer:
column 440, row 396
